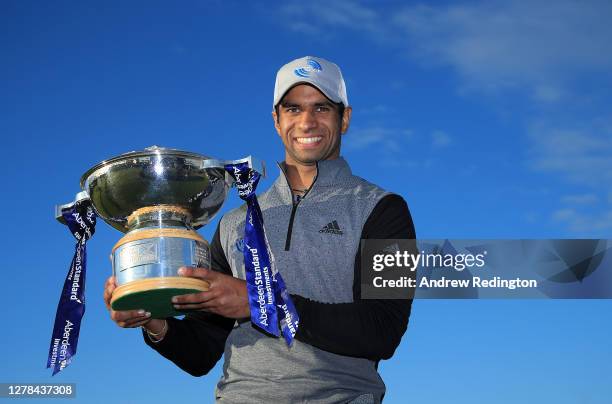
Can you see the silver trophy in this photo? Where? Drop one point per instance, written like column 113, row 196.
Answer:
column 158, row 197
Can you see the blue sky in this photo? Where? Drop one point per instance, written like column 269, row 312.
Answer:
column 492, row 119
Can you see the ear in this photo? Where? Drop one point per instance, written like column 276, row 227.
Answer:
column 275, row 118
column 346, row 120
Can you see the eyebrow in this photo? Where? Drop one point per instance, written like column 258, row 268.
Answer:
column 288, row 104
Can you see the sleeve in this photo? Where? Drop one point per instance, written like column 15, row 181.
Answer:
column 364, row 328
column 196, row 343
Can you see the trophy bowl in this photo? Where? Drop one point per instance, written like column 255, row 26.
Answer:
column 158, row 197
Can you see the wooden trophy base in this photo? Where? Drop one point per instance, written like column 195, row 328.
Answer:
column 155, row 295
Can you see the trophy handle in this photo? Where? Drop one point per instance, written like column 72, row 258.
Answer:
column 254, row 163
column 80, row 196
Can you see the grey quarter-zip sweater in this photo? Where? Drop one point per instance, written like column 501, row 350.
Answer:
column 315, row 244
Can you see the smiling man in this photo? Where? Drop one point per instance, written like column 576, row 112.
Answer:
column 315, row 215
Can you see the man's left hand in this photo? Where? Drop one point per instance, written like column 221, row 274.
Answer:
column 226, row 297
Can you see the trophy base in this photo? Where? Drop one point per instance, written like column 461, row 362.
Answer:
column 155, row 295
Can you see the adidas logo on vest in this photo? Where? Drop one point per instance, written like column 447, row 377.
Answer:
column 332, row 228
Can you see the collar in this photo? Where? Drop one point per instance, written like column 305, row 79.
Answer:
column 329, row 173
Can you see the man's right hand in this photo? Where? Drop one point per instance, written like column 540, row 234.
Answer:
column 132, row 318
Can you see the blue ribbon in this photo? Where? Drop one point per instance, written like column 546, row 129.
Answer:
column 81, row 220
column 268, row 297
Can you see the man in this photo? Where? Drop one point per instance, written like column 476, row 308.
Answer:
column 315, row 215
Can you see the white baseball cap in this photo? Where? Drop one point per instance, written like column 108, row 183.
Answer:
column 324, row 75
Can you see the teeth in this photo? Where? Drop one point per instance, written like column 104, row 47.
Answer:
column 307, row 140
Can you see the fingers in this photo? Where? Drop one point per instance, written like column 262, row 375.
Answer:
column 137, row 324
column 109, row 286
column 227, row 296
column 110, row 282
column 125, row 319
column 211, row 306
column 130, row 318
column 208, row 300
column 200, row 273
column 194, row 300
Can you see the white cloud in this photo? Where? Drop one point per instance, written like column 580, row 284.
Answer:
column 548, row 94
column 563, row 214
column 495, row 45
column 440, row 139
column 304, row 27
column 581, row 154
column 342, row 14
column 386, row 146
column 581, row 199
column 383, row 139
column 375, row 110
column 391, row 147
column 586, row 224
column 537, row 46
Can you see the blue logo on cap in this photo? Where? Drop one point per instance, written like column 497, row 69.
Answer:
column 311, row 66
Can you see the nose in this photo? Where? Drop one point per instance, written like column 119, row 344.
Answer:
column 308, row 120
